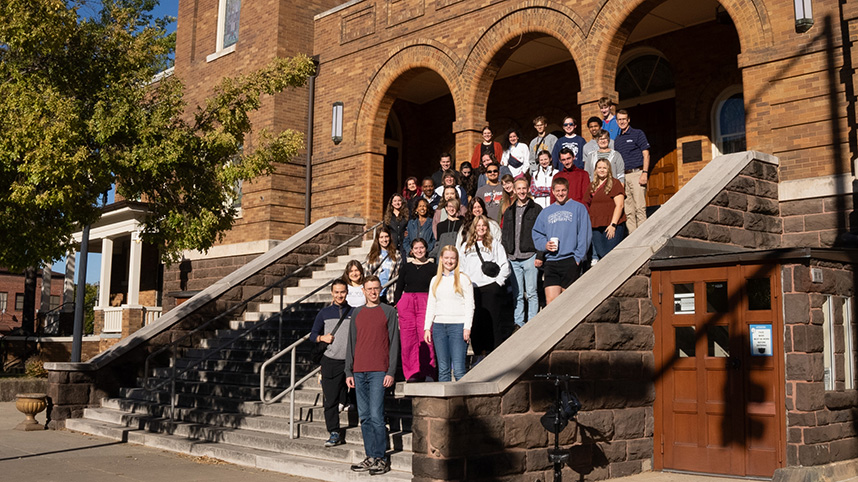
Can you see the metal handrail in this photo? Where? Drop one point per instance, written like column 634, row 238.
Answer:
column 174, row 345
column 52, row 314
column 292, row 383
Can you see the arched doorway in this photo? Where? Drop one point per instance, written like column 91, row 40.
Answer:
column 536, row 77
column 675, row 64
column 418, row 127
column 647, row 90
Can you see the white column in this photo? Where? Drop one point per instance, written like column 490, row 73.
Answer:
column 45, row 299
column 68, row 283
column 134, row 260
column 104, row 277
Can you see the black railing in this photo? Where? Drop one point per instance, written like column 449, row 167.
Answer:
column 174, row 345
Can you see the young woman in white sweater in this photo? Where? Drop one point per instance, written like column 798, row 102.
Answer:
column 449, row 311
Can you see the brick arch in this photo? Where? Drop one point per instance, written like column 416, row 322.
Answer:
column 403, row 62
column 533, row 19
column 614, row 21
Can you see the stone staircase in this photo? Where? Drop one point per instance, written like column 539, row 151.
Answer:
column 218, row 412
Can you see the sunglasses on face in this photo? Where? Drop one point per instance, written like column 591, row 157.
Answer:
column 492, row 172
column 567, row 124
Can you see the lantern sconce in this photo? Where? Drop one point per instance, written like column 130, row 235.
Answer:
column 803, row 15
column 337, row 123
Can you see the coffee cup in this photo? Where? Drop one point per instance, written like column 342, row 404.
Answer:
column 556, row 242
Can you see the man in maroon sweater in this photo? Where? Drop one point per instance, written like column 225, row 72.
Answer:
column 579, row 181
column 371, row 356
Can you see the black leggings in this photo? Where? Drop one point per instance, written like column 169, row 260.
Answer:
column 486, row 330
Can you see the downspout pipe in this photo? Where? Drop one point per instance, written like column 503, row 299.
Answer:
column 308, row 189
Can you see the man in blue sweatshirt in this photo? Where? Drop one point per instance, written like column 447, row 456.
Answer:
column 564, row 232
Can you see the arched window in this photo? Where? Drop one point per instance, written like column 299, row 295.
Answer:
column 642, row 74
column 728, row 121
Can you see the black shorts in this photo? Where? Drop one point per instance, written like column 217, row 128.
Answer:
column 561, row 273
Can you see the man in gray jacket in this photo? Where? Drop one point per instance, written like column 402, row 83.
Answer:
column 334, row 390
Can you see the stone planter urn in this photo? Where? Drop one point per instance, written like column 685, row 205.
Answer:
column 30, row 404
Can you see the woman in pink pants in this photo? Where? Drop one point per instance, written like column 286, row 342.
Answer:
column 412, row 291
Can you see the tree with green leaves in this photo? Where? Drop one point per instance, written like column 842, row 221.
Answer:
column 80, row 112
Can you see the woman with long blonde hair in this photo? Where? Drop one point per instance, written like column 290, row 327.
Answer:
column 605, row 200
column 449, row 313
column 484, row 260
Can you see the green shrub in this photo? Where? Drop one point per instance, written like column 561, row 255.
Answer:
column 35, row 367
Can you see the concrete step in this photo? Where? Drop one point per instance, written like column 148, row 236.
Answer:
column 229, row 385
column 156, row 416
column 313, row 461
column 256, row 344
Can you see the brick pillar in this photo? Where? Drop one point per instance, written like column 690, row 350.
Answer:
column 467, row 135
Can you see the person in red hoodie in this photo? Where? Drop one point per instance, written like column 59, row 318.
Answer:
column 579, row 181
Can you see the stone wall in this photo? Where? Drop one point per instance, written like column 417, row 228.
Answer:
column 72, row 391
column 745, row 214
column 500, row 437
column 822, row 425
column 818, row 222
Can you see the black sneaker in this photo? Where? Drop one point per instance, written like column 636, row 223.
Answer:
column 334, row 440
column 381, row 466
column 364, row 466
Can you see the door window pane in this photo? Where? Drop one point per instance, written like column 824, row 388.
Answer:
column 718, row 341
column 716, row 297
column 683, row 299
column 685, row 340
column 759, row 294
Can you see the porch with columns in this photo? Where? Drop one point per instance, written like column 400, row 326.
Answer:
column 122, row 307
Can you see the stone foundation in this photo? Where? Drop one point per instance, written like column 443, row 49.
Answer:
column 500, row 437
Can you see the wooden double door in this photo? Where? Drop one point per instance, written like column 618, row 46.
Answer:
column 719, row 365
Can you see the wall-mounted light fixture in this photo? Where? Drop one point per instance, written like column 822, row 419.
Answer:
column 337, row 123
column 803, row 15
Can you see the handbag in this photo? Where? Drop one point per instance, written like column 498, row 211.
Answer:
column 490, row 268
column 320, row 346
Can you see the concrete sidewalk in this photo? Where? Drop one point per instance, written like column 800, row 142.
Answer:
column 63, row 456
column 51, row 455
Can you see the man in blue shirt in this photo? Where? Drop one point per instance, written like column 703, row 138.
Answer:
column 571, row 140
column 564, row 232
column 633, row 146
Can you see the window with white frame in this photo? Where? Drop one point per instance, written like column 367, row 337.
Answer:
column 728, row 122
column 837, row 349
column 4, row 299
column 228, row 14
column 19, row 301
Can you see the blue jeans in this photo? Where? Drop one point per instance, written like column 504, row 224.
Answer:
column 450, row 349
column 602, row 245
column 525, row 276
column 369, row 388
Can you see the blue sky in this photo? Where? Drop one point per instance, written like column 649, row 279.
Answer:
column 166, row 7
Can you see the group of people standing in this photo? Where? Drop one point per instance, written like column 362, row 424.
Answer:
column 440, row 263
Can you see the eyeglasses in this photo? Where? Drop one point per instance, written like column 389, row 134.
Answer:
column 493, row 171
column 566, row 124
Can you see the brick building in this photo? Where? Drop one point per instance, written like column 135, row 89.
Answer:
column 12, row 297
column 704, row 78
